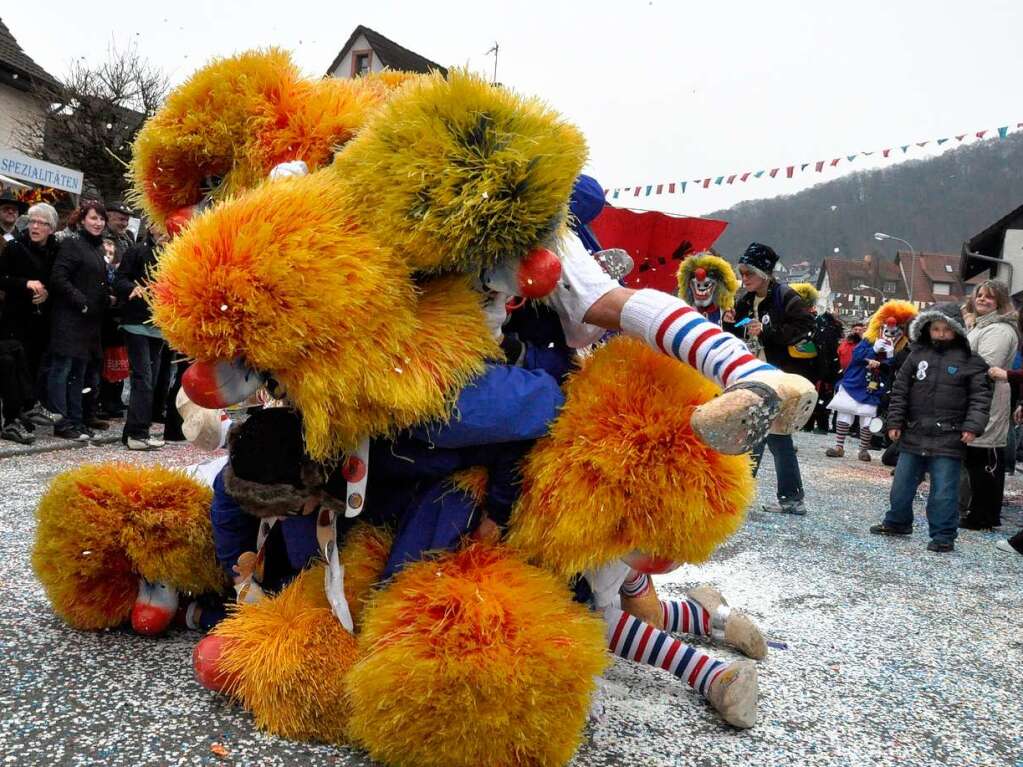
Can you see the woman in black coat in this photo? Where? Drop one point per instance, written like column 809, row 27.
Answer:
column 25, row 268
column 81, row 295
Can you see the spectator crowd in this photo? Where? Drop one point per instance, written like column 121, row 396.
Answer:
column 74, row 326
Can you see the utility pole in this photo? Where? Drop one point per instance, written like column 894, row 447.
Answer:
column 494, row 51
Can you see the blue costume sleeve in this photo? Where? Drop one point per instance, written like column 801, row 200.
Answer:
column 505, row 404
column 234, row 531
column 555, row 360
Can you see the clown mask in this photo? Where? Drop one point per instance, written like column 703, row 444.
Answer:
column 703, row 286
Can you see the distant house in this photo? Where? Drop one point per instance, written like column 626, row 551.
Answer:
column 369, row 51
column 935, row 277
column 802, row 271
column 20, row 77
column 997, row 251
column 840, row 284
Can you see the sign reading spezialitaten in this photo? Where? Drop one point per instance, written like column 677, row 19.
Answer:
column 41, row 173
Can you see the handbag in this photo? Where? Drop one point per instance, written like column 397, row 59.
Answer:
column 115, row 364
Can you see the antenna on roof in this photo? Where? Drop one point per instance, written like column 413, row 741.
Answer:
column 493, row 50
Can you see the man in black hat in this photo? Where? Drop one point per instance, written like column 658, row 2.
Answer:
column 118, row 215
column 10, row 208
column 773, row 319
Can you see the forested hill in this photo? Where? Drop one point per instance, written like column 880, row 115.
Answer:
column 935, row 204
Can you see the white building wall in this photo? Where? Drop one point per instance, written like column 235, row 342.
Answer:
column 16, row 108
column 344, row 69
column 1012, row 253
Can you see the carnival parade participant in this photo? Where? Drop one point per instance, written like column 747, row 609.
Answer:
column 864, row 382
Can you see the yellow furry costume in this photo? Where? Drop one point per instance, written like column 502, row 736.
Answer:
column 806, row 291
column 353, row 287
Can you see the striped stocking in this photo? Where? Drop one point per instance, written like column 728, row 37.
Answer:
column 628, row 637
column 686, row 616
column 841, row 432
column 669, row 325
column 635, row 584
column 865, row 437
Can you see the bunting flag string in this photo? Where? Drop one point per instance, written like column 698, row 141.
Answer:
column 679, row 187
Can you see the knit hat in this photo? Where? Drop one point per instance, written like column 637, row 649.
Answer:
column 760, row 259
column 269, row 474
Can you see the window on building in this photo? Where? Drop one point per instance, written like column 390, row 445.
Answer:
column 891, row 287
column 362, row 61
column 948, row 268
column 942, row 288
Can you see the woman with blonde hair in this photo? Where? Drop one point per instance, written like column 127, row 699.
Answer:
column 994, row 337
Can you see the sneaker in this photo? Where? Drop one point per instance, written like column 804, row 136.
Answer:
column 137, row 444
column 88, row 432
column 97, row 424
column 27, row 423
column 40, row 416
column 155, row 442
column 864, row 456
column 15, row 432
column 1004, row 545
column 835, row 452
column 940, row 546
column 883, row 529
column 735, row 695
column 795, row 508
column 70, row 432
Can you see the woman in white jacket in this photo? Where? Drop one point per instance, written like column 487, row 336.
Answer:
column 995, row 338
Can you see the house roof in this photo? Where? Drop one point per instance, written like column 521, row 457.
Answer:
column 845, row 276
column 391, row 54
column 14, row 60
column 929, row 268
column 989, row 243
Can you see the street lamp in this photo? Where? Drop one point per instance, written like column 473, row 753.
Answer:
column 871, row 287
column 881, row 236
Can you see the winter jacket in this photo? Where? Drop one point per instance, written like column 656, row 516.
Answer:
column 134, row 270
column 80, row 295
column 21, row 262
column 827, row 335
column 994, row 337
column 788, row 322
column 939, row 394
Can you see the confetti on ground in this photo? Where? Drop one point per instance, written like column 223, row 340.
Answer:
column 927, row 649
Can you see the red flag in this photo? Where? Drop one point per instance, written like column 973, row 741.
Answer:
column 886, row 152
column 773, row 173
column 637, row 192
column 671, row 188
column 657, row 242
column 834, row 162
column 731, row 179
column 706, row 183
column 819, row 166
column 659, row 188
column 744, row 176
column 980, row 133
column 789, row 171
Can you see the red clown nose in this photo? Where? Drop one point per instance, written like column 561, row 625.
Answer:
column 538, row 273
column 700, row 273
column 178, row 220
column 216, row 385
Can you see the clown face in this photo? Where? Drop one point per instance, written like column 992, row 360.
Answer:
column 703, row 287
column 892, row 332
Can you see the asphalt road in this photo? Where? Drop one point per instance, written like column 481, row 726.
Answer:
column 884, row 653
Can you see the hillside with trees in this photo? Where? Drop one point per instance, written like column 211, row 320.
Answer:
column 935, row 204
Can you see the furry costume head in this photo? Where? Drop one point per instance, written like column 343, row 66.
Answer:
column 892, row 321
column 806, row 291
column 706, row 279
column 330, row 282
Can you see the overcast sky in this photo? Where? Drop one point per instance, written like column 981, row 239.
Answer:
column 664, row 91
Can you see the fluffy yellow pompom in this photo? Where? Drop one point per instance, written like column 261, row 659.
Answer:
column 363, row 556
column 474, row 658
column 622, row 469
column 288, row 657
column 167, row 532
column 78, row 555
column 456, row 173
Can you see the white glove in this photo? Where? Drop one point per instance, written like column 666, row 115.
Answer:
column 882, row 345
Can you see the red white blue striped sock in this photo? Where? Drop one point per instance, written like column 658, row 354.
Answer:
column 686, row 616
column 635, row 584
column 673, row 327
column 629, row 637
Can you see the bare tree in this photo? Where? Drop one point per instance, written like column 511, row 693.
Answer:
column 92, row 118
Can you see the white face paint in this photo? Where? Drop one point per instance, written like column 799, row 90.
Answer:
column 496, row 312
column 892, row 333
